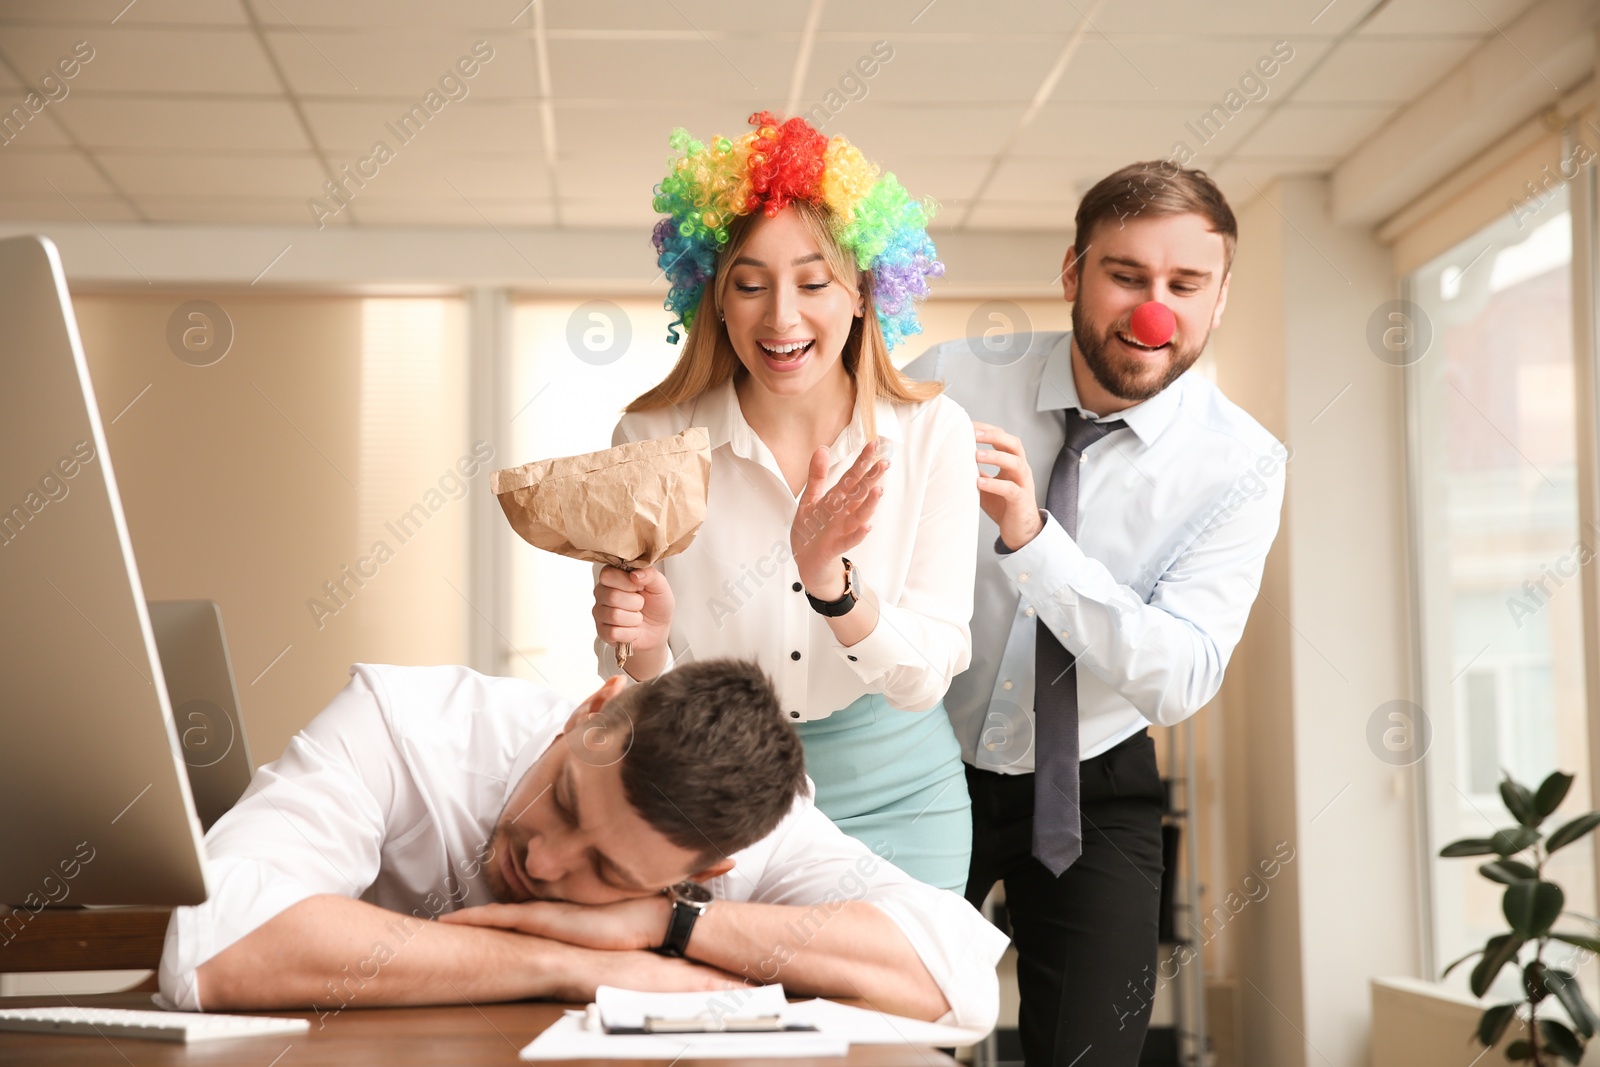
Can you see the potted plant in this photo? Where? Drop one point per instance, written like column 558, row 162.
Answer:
column 1531, row 904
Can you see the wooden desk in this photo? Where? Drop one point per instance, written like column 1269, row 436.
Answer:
column 82, row 939
column 382, row 1037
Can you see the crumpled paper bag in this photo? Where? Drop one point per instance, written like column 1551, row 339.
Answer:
column 627, row 506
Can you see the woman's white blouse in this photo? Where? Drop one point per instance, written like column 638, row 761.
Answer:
column 737, row 590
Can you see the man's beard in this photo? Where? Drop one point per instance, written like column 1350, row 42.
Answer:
column 502, row 843
column 1123, row 378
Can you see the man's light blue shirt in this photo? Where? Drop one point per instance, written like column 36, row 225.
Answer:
column 1176, row 513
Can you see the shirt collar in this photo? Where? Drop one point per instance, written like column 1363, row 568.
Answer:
column 528, row 756
column 718, row 411
column 1147, row 419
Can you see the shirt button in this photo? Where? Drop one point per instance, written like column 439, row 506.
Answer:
column 797, row 587
column 1081, row 458
column 1065, row 634
column 1028, row 612
column 794, row 715
column 852, row 659
column 1022, row 577
column 795, row 654
column 989, row 745
column 1006, row 684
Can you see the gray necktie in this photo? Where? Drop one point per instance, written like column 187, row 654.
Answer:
column 1057, row 827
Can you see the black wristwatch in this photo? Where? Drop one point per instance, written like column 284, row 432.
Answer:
column 852, row 593
column 689, row 901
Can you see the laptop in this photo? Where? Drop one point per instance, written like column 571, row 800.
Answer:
column 204, row 702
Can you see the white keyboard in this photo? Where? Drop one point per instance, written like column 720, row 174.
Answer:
column 156, row 1025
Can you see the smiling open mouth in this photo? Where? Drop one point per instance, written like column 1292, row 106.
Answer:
column 787, row 352
column 1128, row 340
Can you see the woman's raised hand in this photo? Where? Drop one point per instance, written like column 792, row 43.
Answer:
column 635, row 607
column 827, row 524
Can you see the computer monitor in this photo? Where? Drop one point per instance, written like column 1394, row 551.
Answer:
column 95, row 804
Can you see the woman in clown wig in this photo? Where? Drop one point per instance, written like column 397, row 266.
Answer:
column 839, row 543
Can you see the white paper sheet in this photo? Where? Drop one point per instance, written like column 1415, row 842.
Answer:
column 862, row 1027
column 568, row 1040
column 628, row 1007
column 838, row 1027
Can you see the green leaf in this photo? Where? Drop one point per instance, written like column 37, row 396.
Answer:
column 1467, row 846
column 1592, row 944
column 1533, row 981
column 1573, row 830
column 1499, row 951
column 1530, row 907
column 1519, row 1050
column 1508, row 872
column 1492, row 1026
column 1519, row 802
column 1552, row 791
column 1512, row 840
column 1456, row 963
column 1560, row 1040
column 1565, row 987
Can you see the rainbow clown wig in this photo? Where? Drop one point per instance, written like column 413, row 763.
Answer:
column 870, row 214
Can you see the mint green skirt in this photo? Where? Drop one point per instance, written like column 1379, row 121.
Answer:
column 893, row 780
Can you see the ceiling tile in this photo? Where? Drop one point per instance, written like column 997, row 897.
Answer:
column 1382, row 69
column 1134, row 132
column 710, row 17
column 587, row 211
column 612, row 129
column 642, row 70
column 43, row 173
column 146, row 59
column 93, row 13
column 1173, row 69
column 932, row 72
column 175, row 174
column 948, row 179
column 623, row 178
column 404, row 14
column 1306, row 130
column 23, row 208
column 1440, row 17
column 480, row 126
column 887, row 131
column 453, row 176
column 50, row 175
column 446, row 211
column 167, row 123
column 24, row 131
column 255, row 211
column 404, row 64
column 1024, row 215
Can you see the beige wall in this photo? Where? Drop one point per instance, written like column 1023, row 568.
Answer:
column 1327, row 643
column 256, row 479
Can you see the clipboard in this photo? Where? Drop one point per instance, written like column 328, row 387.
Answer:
column 703, row 1023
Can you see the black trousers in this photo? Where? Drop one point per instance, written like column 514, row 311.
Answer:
column 1086, row 941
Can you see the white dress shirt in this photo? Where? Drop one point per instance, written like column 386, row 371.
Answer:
column 737, row 589
column 1176, row 513
column 392, row 792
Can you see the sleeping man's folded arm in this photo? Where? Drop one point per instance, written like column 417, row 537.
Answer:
column 333, row 952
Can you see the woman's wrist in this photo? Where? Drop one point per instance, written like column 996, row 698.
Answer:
column 646, row 666
column 827, row 582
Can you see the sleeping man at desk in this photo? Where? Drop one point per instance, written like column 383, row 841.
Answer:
column 559, row 849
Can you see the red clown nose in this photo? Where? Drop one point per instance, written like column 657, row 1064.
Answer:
column 1153, row 324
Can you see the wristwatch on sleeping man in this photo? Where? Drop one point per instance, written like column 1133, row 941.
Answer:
column 689, row 901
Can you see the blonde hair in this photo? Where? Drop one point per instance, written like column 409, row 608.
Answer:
column 709, row 359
